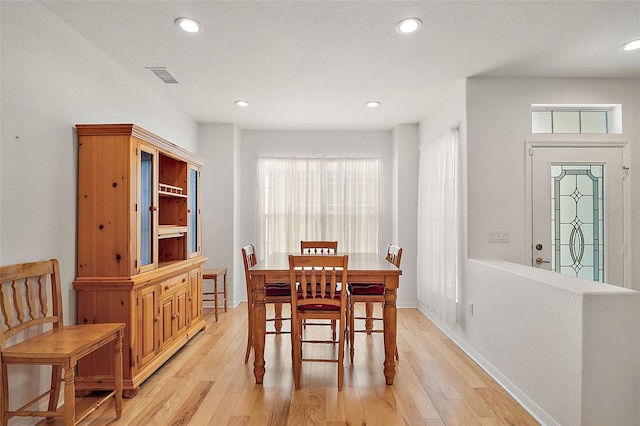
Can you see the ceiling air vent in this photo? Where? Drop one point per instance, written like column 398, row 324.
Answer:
column 163, row 75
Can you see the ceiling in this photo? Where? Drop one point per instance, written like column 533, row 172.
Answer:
column 312, row 65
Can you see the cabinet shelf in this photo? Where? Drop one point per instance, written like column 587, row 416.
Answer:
column 171, row 231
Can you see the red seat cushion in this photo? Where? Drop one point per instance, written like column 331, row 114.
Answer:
column 319, row 306
column 280, row 289
column 366, row 289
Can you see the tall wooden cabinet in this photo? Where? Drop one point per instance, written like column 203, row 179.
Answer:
column 139, row 259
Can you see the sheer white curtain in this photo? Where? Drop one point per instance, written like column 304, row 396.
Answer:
column 437, row 226
column 319, row 199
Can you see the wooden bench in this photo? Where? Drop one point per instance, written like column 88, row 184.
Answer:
column 33, row 333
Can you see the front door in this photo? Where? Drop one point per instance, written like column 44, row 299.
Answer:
column 577, row 211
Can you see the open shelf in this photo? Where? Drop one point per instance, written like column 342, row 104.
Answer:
column 171, row 231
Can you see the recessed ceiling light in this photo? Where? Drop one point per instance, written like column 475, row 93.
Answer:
column 242, row 103
column 631, row 45
column 189, row 25
column 408, row 26
column 372, row 104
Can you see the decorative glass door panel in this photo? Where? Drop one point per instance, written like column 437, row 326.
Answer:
column 193, row 219
column 577, row 223
column 577, row 220
column 147, row 209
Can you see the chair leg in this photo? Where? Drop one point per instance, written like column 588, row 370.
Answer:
column 277, row 308
column 249, row 330
column 5, row 395
column 296, row 344
column 352, row 332
column 117, row 371
column 54, row 397
column 341, row 356
column 333, row 329
column 369, row 315
column 69, row 395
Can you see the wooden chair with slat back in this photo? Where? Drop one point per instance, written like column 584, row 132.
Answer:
column 33, row 333
column 320, row 247
column 369, row 294
column 317, row 283
column 276, row 294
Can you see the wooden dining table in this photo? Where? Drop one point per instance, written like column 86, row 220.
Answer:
column 364, row 268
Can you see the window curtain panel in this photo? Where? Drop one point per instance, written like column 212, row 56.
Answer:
column 437, row 226
column 319, row 199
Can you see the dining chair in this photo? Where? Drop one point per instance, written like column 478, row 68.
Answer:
column 32, row 332
column 320, row 247
column 318, row 286
column 369, row 294
column 276, row 294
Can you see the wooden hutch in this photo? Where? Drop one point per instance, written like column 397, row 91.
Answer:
column 139, row 257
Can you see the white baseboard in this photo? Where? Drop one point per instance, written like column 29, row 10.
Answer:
column 527, row 403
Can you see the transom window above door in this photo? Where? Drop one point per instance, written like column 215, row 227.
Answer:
column 576, row 119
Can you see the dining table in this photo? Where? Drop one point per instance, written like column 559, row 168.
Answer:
column 363, row 268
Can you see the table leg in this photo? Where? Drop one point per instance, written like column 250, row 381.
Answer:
column 389, row 316
column 259, row 318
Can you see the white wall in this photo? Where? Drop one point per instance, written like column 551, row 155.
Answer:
column 406, row 138
column 217, row 143
column 499, row 121
column 52, row 79
column 567, row 348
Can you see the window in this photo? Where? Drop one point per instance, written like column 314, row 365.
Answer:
column 319, row 199
column 575, row 119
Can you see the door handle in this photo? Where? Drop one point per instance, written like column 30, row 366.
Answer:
column 540, row 261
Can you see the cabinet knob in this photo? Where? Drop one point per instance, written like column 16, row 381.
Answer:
column 157, row 319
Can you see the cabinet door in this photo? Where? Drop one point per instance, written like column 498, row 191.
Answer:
column 147, row 207
column 193, row 213
column 195, row 296
column 148, row 316
column 181, row 317
column 167, row 311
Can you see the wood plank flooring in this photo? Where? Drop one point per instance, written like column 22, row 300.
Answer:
column 208, row 383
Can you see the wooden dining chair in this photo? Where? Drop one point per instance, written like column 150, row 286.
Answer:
column 317, row 283
column 318, row 247
column 276, row 294
column 33, row 333
column 369, row 294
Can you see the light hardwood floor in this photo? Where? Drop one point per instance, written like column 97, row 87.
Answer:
column 208, row 383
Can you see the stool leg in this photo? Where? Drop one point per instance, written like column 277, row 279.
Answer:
column 215, row 296
column 224, row 294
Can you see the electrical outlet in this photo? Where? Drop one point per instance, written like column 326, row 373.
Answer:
column 498, row 236
column 470, row 308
